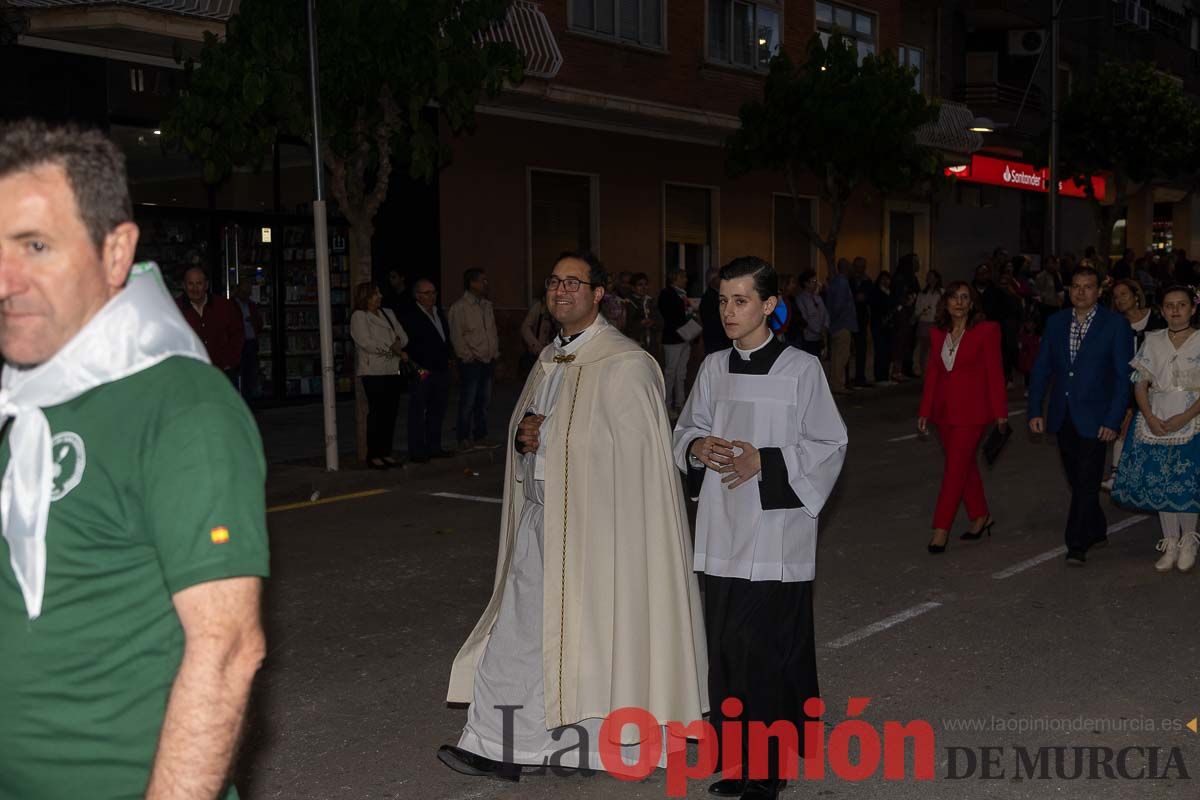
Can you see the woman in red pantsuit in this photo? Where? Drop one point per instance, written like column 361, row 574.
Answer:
column 964, row 394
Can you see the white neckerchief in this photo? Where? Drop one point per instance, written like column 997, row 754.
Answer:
column 136, row 329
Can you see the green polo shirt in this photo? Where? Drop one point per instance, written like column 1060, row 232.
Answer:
column 158, row 486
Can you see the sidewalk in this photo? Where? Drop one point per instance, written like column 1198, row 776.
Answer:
column 293, row 438
column 294, row 442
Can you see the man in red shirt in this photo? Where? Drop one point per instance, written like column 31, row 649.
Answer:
column 215, row 320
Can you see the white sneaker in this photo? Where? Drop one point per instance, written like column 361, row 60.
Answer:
column 1170, row 551
column 1187, row 551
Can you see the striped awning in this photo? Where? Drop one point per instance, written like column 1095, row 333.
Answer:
column 208, row 9
column 950, row 132
column 526, row 26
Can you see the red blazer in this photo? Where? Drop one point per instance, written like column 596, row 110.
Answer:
column 221, row 329
column 973, row 393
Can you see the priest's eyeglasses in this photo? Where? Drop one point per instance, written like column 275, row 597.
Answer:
column 568, row 284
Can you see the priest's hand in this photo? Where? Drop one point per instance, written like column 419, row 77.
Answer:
column 743, row 467
column 528, row 431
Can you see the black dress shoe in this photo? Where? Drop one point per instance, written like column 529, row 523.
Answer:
column 728, row 787
column 762, row 790
column 1076, row 558
column 467, row 763
column 1099, row 543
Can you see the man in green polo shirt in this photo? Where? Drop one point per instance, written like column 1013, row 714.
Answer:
column 134, row 534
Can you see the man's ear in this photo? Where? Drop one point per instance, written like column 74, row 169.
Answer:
column 119, row 247
column 769, row 305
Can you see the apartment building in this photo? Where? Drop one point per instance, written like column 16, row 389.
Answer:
column 615, row 142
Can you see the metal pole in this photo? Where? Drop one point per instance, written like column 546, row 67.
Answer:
column 1055, row 6
column 321, row 239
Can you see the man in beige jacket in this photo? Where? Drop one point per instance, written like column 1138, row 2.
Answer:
column 595, row 605
column 473, row 335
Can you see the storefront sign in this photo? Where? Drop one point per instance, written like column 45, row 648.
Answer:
column 1018, row 175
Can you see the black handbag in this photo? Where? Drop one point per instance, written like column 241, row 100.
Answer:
column 996, row 439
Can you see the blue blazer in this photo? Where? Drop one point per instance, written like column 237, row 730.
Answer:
column 1095, row 389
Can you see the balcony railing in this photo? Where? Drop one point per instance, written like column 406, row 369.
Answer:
column 999, row 96
column 211, row 9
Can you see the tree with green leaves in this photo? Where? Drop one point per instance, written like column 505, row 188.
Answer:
column 846, row 123
column 1134, row 123
column 384, row 64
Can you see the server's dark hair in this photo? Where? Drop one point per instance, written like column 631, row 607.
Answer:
column 766, row 281
column 597, row 277
column 94, row 165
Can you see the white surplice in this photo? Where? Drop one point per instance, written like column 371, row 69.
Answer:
column 791, row 408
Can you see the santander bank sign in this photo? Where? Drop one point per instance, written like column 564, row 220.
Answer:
column 1018, row 175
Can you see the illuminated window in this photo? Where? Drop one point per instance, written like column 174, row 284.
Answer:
column 742, row 33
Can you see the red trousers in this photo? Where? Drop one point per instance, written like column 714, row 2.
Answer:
column 960, row 475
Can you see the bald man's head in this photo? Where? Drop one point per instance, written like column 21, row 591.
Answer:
column 195, row 285
column 425, row 293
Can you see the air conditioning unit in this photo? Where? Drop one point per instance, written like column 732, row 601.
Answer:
column 1026, row 43
column 1131, row 14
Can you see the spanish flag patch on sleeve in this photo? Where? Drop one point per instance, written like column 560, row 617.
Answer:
column 219, row 534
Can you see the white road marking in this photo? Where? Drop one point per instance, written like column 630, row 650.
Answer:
column 883, row 624
column 1029, row 563
column 476, row 498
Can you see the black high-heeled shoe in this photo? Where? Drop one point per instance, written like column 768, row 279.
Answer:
column 967, row 536
column 934, row 549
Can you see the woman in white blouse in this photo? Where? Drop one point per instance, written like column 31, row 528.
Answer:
column 1160, row 467
column 379, row 343
column 925, row 313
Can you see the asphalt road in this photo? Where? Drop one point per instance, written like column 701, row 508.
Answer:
column 371, row 596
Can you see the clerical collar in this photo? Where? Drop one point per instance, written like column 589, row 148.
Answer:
column 566, row 345
column 746, row 354
column 563, row 341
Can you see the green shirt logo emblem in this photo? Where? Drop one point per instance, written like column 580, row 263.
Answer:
column 70, row 458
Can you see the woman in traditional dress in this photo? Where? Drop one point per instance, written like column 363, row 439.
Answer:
column 1160, row 467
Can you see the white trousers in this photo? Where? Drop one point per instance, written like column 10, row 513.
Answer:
column 675, row 373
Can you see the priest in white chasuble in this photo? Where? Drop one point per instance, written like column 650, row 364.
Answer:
column 595, row 605
column 762, row 444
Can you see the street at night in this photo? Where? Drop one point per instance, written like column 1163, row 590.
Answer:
column 371, row 597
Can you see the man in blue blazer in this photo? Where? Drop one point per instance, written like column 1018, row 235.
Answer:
column 1084, row 365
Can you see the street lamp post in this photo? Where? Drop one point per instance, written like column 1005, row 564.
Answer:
column 321, row 240
column 1052, row 194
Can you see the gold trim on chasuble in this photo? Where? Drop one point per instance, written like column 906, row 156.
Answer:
column 562, row 605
